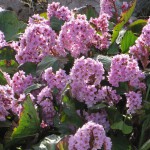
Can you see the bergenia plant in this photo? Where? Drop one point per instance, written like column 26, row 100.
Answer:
column 75, row 79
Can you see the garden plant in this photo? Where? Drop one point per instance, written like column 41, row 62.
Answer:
column 75, row 79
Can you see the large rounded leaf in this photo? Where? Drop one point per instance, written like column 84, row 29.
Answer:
column 10, row 25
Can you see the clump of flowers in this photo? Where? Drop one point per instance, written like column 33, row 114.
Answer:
column 102, row 39
column 6, row 98
column 56, row 80
column 55, row 10
column 86, row 75
column 126, row 69
column 108, row 95
column 75, row 37
column 37, row 19
column 36, row 43
column 134, row 101
column 107, row 6
column 91, row 136
column 20, row 82
column 45, row 100
column 99, row 118
column 142, row 45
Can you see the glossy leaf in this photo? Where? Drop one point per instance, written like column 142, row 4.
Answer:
column 48, row 143
column 137, row 26
column 29, row 123
column 127, row 41
column 56, row 24
column 10, row 25
column 28, row 68
column 3, row 81
column 50, row 61
column 105, row 60
column 32, row 88
column 123, row 127
column 113, row 49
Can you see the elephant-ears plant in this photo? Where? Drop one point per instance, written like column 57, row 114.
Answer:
column 70, row 81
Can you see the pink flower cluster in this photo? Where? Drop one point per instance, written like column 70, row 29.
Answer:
column 126, row 69
column 56, row 80
column 108, row 95
column 102, row 39
column 20, row 82
column 37, row 19
column 76, row 37
column 106, row 6
column 86, row 75
column 2, row 40
column 142, row 45
column 36, row 43
column 6, row 98
column 58, row 11
column 99, row 118
column 45, row 100
column 91, row 136
column 134, row 101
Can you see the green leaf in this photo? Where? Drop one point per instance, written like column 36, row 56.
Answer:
column 98, row 106
column 29, row 123
column 128, row 40
column 145, row 129
column 120, row 142
column 10, row 25
column 123, row 20
column 56, row 23
column 7, row 53
column 113, row 49
column 9, row 66
column 48, row 143
column 32, row 88
column 114, row 115
column 28, row 68
column 3, row 81
column 62, row 125
column 44, row 15
column 88, row 10
column 122, row 126
column 137, row 26
column 105, row 60
column 70, row 110
column 50, row 61
column 123, row 88
column 146, row 145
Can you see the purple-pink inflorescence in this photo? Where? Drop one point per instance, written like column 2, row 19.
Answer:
column 91, row 136
column 126, row 69
column 140, row 50
column 134, row 101
column 36, row 43
column 85, row 75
